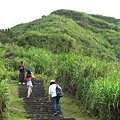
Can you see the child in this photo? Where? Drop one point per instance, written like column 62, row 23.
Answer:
column 28, row 78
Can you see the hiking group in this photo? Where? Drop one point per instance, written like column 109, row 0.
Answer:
column 25, row 78
column 52, row 91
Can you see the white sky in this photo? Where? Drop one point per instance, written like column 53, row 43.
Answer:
column 13, row 12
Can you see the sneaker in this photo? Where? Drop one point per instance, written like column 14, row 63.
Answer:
column 58, row 112
column 55, row 114
column 19, row 83
column 23, row 83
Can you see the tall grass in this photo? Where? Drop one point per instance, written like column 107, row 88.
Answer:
column 85, row 77
column 3, row 92
column 94, row 82
column 103, row 96
column 76, row 70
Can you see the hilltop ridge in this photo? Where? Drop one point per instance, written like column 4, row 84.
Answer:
column 71, row 31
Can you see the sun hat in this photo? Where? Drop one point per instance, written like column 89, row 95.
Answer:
column 52, row 81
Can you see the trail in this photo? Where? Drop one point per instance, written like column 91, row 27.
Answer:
column 37, row 105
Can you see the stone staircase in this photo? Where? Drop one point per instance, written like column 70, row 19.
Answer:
column 37, row 105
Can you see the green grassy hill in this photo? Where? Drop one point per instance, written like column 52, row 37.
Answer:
column 90, row 21
column 106, row 29
column 66, row 30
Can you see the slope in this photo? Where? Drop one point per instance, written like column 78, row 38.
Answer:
column 78, row 32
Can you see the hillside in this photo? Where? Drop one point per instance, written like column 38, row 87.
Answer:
column 66, row 30
column 90, row 21
column 106, row 28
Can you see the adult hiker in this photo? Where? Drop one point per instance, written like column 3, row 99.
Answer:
column 21, row 73
column 29, row 76
column 55, row 97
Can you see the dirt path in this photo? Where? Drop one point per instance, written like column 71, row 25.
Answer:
column 37, row 105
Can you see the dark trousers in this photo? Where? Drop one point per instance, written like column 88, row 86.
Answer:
column 21, row 77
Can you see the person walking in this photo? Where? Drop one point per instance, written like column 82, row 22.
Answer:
column 55, row 97
column 29, row 76
column 21, row 73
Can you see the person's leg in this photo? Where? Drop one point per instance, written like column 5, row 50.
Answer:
column 19, row 78
column 57, row 101
column 55, row 104
column 22, row 78
column 29, row 91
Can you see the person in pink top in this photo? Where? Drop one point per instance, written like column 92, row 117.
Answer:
column 28, row 78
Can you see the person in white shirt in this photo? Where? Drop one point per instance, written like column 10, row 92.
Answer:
column 55, row 98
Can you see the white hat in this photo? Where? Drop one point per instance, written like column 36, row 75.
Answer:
column 52, row 81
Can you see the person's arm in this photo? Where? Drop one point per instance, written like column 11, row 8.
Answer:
column 24, row 67
column 20, row 67
column 59, row 87
column 33, row 76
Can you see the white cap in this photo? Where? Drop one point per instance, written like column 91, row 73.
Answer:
column 52, row 81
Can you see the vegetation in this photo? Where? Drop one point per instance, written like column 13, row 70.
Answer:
column 16, row 109
column 79, row 50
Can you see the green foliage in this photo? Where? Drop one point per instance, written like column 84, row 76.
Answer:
column 5, row 36
column 83, row 76
column 89, row 21
column 103, row 96
column 78, row 72
column 16, row 104
column 3, row 99
column 75, row 72
column 79, row 50
column 54, row 34
column 72, row 31
column 3, row 91
column 106, row 30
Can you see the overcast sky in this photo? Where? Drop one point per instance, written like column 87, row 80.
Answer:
column 13, row 12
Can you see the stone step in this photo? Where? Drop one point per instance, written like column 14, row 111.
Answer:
column 37, row 105
column 54, row 119
column 45, row 116
column 36, row 99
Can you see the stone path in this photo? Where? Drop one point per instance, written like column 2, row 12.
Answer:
column 37, row 105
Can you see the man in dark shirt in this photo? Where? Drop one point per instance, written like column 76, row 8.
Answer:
column 21, row 73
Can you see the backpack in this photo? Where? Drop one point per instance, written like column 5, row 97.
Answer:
column 59, row 92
